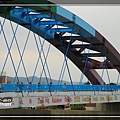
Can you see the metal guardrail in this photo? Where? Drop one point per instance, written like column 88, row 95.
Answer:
column 55, row 87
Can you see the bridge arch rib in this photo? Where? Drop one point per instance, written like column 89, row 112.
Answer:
column 33, row 18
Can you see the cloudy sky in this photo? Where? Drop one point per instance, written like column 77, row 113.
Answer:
column 106, row 19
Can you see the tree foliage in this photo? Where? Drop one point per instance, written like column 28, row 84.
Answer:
column 78, row 107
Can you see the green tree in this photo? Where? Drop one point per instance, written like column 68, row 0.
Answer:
column 78, row 107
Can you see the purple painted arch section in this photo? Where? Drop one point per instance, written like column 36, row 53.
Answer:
column 111, row 53
column 84, row 32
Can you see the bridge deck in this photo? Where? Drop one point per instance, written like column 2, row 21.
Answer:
column 56, row 98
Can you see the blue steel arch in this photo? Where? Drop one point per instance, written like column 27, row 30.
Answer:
column 32, row 19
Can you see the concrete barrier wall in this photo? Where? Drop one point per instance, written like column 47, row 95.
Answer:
column 24, row 112
column 113, row 107
column 69, row 113
column 55, row 112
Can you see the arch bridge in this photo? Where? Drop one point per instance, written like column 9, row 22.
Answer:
column 62, row 29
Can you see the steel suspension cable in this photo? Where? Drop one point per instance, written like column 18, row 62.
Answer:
column 38, row 51
column 65, row 60
column 66, row 54
column 88, row 66
column 64, row 66
column 107, row 71
column 9, row 48
column 83, row 49
column 45, row 58
column 41, row 59
column 85, row 64
column 21, row 55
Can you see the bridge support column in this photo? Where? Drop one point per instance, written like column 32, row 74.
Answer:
column 108, row 106
column 20, row 102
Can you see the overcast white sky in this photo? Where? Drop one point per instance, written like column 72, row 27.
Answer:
column 106, row 19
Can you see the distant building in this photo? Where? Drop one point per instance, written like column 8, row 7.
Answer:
column 4, row 77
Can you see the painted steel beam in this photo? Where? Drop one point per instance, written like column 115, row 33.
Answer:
column 100, row 65
column 93, row 47
column 22, row 9
column 56, row 87
column 50, row 23
column 80, row 46
column 86, row 45
column 80, row 38
column 35, row 16
column 63, row 30
column 91, row 55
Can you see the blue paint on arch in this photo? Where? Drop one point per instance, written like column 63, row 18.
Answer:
column 81, row 28
column 86, row 29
